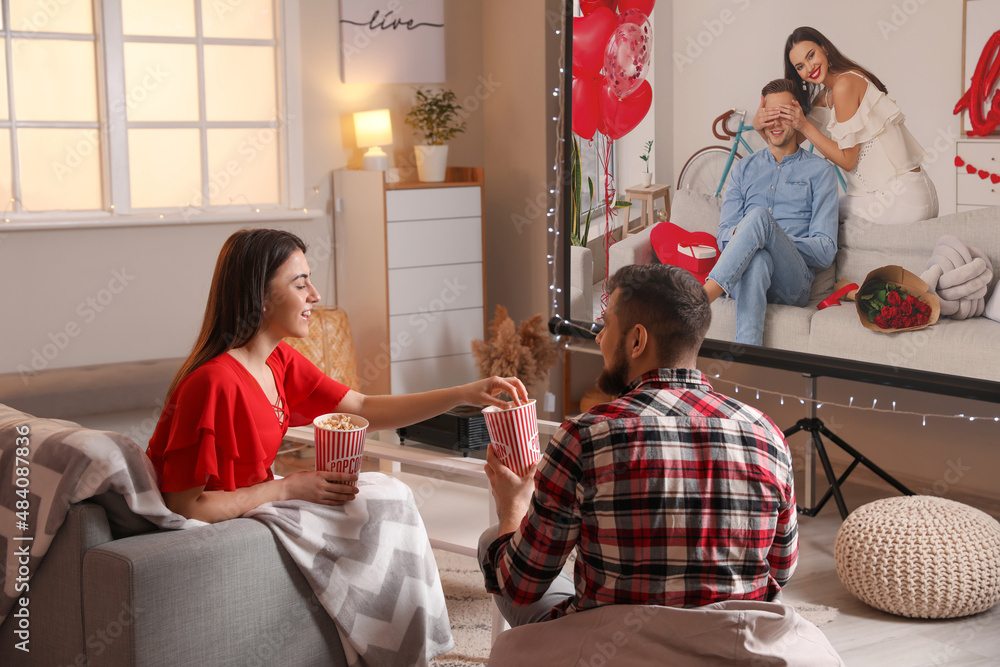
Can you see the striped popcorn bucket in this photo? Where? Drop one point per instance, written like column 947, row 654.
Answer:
column 340, row 451
column 514, row 436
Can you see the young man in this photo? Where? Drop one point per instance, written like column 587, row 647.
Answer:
column 778, row 224
column 674, row 495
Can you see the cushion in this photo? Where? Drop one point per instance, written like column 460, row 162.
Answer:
column 949, row 346
column 699, row 212
column 734, row 632
column 670, row 242
column 920, row 556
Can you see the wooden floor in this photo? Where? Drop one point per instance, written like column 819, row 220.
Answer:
column 866, row 637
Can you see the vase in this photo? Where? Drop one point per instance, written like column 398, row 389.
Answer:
column 581, row 283
column 432, row 163
column 647, row 178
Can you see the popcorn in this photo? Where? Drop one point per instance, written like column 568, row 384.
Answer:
column 337, row 422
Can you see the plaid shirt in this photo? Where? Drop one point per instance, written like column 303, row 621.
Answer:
column 673, row 495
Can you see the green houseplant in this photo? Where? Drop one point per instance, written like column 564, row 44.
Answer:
column 437, row 116
column 647, row 177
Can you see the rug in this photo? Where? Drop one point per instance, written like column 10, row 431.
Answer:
column 470, row 610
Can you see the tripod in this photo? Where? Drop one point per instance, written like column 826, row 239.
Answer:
column 817, row 428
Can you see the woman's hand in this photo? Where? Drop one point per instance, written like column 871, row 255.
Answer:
column 318, row 486
column 484, row 392
column 764, row 117
column 792, row 113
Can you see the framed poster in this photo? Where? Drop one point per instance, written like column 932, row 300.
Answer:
column 392, row 41
column 980, row 21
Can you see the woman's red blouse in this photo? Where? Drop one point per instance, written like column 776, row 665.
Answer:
column 219, row 429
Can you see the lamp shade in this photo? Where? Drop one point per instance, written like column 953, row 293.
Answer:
column 373, row 128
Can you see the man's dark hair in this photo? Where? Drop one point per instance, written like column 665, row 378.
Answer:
column 779, row 86
column 669, row 302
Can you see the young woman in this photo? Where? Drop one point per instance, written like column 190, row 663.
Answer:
column 235, row 396
column 845, row 111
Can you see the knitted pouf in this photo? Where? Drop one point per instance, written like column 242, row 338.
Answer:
column 920, row 556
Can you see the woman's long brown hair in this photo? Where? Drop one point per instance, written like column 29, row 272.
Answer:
column 838, row 62
column 235, row 309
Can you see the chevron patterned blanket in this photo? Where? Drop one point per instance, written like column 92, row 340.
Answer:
column 371, row 566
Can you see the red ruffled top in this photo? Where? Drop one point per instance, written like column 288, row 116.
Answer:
column 219, row 430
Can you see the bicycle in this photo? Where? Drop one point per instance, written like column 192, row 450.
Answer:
column 708, row 169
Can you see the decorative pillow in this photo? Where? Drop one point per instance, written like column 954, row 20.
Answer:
column 960, row 276
column 697, row 252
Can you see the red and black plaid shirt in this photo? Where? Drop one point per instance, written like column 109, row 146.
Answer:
column 673, row 494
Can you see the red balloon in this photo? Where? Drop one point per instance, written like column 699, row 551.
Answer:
column 620, row 116
column 588, row 6
column 586, row 109
column 590, row 36
column 644, row 6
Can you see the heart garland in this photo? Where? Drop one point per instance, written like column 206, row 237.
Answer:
column 982, row 173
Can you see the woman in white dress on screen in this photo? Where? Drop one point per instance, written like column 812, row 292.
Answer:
column 845, row 112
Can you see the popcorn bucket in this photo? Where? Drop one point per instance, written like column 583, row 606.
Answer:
column 337, row 449
column 514, row 436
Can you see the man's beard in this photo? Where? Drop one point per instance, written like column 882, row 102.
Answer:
column 614, row 379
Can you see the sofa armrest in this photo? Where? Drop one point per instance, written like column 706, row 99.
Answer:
column 226, row 593
column 56, row 607
column 635, row 249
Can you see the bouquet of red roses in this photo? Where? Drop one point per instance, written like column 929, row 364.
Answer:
column 890, row 307
column 893, row 299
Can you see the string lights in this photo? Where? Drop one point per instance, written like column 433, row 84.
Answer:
column 554, row 213
column 738, row 386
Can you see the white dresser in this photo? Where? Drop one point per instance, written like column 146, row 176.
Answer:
column 972, row 190
column 409, row 263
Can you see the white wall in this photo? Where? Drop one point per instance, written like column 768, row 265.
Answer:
column 724, row 51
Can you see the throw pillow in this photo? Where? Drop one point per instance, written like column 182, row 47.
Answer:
column 696, row 252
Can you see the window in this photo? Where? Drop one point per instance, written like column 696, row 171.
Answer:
column 120, row 107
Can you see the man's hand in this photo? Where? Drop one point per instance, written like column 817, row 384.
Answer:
column 511, row 493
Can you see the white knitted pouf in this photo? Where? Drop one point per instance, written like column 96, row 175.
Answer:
column 920, row 556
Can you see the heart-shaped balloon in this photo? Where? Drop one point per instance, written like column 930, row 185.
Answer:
column 969, row 168
column 588, row 6
column 983, row 174
column 626, row 57
column 995, row 178
column 590, row 36
column 959, row 161
column 644, row 6
column 586, row 109
column 620, row 116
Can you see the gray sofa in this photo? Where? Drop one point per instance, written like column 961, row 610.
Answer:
column 225, row 594
column 114, row 590
column 956, row 347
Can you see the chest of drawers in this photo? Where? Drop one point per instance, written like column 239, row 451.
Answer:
column 409, row 263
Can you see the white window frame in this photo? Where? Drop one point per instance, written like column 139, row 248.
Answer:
column 113, row 125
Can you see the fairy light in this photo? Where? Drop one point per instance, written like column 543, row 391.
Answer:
column 737, row 387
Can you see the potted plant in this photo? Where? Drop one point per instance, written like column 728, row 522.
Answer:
column 647, row 176
column 435, row 115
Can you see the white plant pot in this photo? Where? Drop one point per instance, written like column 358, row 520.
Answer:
column 647, row 178
column 432, row 163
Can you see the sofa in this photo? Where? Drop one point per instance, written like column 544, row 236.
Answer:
column 112, row 589
column 955, row 347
